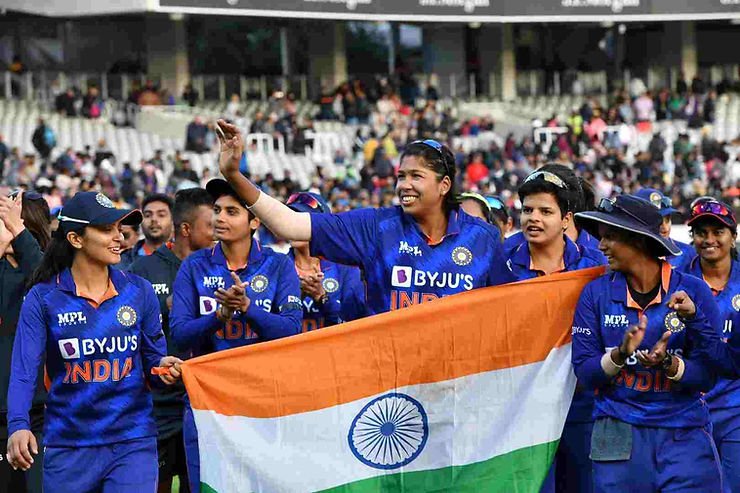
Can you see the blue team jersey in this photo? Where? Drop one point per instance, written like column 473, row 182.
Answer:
column 574, row 258
column 346, row 293
column 273, row 289
column 401, row 267
column 638, row 395
column 584, row 240
column 688, row 252
column 726, row 393
column 97, row 361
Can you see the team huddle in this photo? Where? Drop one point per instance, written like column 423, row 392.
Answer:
column 657, row 362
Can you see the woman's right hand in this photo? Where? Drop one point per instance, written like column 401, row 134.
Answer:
column 232, row 148
column 631, row 340
column 21, row 445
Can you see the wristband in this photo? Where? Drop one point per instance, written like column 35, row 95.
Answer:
column 608, row 364
column 679, row 374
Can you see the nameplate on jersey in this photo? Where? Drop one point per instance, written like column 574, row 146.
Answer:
column 408, row 277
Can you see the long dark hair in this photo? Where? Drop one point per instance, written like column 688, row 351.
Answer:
column 442, row 162
column 35, row 215
column 58, row 256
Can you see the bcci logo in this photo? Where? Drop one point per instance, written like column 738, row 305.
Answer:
column 673, row 323
column 104, row 201
column 655, row 199
column 736, row 302
column 126, row 316
column 330, row 285
column 462, row 256
column 259, row 283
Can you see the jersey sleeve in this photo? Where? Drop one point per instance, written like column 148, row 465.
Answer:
column 28, row 355
column 353, row 295
column 499, row 273
column 27, row 252
column 588, row 347
column 707, row 352
column 188, row 329
column 346, row 238
column 153, row 344
column 286, row 315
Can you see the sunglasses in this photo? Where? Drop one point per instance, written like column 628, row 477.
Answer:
column 437, row 147
column 28, row 195
column 474, row 196
column 712, row 207
column 495, row 203
column 305, row 199
column 609, row 206
column 548, row 177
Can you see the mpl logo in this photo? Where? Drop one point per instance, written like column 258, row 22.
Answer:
column 69, row 348
column 213, row 282
column 615, row 320
column 71, row 318
column 414, row 251
column 401, row 276
column 207, row 305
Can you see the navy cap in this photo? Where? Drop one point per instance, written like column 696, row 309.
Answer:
column 655, row 197
column 94, row 209
column 307, row 202
column 219, row 187
column 628, row 213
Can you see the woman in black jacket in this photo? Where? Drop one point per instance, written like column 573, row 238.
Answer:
column 24, row 234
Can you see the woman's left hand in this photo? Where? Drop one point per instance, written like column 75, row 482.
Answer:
column 173, row 363
column 235, row 298
column 683, row 304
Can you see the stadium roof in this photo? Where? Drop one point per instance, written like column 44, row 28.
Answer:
column 405, row 10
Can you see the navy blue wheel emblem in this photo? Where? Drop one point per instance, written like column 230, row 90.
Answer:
column 389, row 432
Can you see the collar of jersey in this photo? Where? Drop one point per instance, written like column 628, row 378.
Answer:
column 571, row 255
column 584, row 238
column 453, row 226
column 621, row 294
column 66, row 282
column 695, row 270
column 218, row 257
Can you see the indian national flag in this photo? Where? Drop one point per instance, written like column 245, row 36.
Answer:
column 468, row 394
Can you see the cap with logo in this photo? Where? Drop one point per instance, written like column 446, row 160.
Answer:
column 655, row 197
column 708, row 207
column 94, row 209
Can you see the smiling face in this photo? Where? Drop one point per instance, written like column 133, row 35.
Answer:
column 712, row 240
column 620, row 253
column 420, row 189
column 542, row 220
column 665, row 227
column 231, row 220
column 98, row 244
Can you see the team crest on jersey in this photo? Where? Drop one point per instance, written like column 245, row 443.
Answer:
column 655, row 199
column 673, row 323
column 104, row 201
column 736, row 302
column 126, row 316
column 259, row 283
column 330, row 285
column 462, row 256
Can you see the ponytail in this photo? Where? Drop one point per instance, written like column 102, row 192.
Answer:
column 57, row 257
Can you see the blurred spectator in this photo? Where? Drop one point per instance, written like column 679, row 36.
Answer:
column 92, row 103
column 43, row 139
column 64, row 103
column 196, row 136
column 4, row 153
column 190, row 95
column 149, row 95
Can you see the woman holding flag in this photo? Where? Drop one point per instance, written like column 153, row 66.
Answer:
column 417, row 252
column 644, row 337
column 714, row 232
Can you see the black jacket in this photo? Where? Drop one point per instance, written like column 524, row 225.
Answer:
column 12, row 290
column 160, row 269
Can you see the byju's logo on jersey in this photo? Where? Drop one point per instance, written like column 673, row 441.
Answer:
column 71, row 318
column 401, row 276
column 69, row 348
column 673, row 323
column 613, row 321
column 414, row 251
column 207, row 305
column 213, row 282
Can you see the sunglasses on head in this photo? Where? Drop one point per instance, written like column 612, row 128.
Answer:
column 437, row 147
column 609, row 206
column 712, row 207
column 495, row 203
column 28, row 195
column 548, row 177
column 305, row 199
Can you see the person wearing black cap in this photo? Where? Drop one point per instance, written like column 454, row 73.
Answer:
column 100, row 331
column 332, row 293
column 665, row 205
column 193, row 220
column 644, row 337
column 714, row 232
column 232, row 295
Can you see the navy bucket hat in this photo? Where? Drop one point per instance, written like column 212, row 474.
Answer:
column 632, row 214
column 94, row 209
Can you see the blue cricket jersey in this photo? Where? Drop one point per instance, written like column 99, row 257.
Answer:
column 273, row 288
column 726, row 393
column 688, row 252
column 574, row 258
column 97, row 361
column 346, row 294
column 638, row 395
column 401, row 267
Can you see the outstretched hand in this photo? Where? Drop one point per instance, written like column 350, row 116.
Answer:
column 232, row 148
